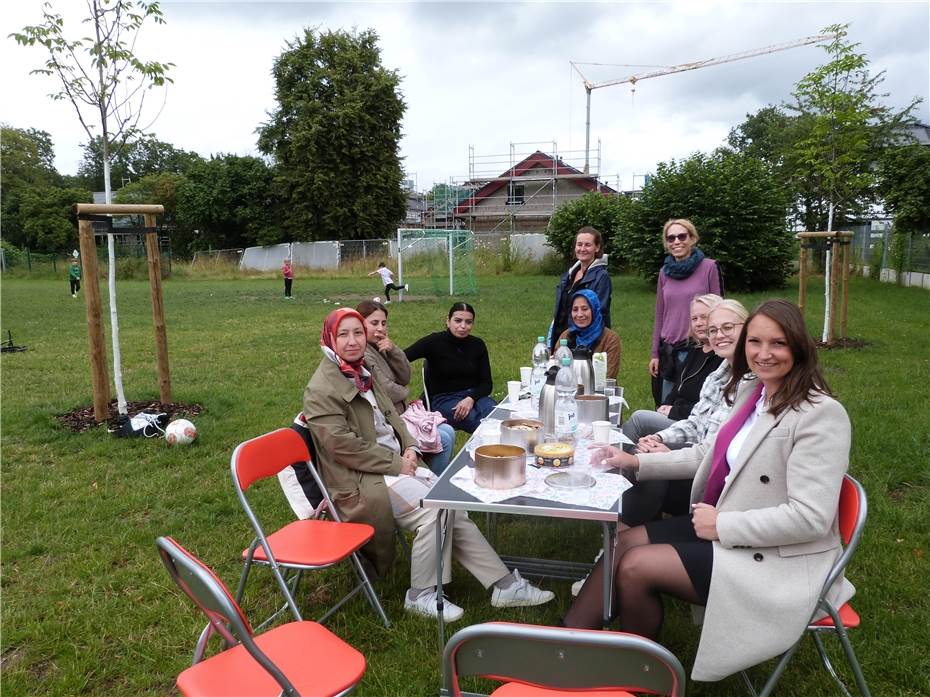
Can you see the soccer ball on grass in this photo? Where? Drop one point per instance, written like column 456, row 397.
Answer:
column 180, row 432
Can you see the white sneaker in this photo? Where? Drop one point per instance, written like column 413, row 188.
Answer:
column 387, row 302
column 520, row 594
column 576, row 586
column 425, row 604
column 406, row 286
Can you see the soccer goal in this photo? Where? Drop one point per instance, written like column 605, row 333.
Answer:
column 447, row 257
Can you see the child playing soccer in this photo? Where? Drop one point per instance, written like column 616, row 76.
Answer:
column 387, row 277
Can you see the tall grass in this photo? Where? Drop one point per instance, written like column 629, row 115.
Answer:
column 87, row 608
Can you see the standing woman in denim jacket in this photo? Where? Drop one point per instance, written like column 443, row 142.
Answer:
column 685, row 274
column 588, row 272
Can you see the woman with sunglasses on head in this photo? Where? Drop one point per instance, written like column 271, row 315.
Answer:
column 369, row 462
column 588, row 272
column 586, row 333
column 391, row 369
column 762, row 536
column 458, row 375
column 685, row 274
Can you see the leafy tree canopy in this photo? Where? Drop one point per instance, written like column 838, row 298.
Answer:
column 27, row 158
column 738, row 206
column 46, row 222
column 904, row 182
column 606, row 213
column 229, row 201
column 139, row 158
column 334, row 137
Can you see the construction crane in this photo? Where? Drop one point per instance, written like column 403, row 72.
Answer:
column 589, row 86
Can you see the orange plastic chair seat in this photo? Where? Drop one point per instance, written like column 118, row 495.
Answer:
column 315, row 542
column 848, row 616
column 315, row 660
column 517, row 689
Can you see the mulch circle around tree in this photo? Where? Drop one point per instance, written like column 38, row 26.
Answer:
column 82, row 418
column 844, row 344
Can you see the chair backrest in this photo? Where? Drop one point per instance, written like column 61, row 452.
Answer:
column 265, row 456
column 425, row 389
column 851, row 515
column 561, row 658
column 207, row 591
column 210, row 594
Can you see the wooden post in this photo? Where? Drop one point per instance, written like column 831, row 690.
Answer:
column 834, row 271
column 98, row 355
column 802, row 276
column 153, row 256
column 847, row 245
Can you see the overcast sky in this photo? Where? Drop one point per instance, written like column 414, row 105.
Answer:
column 491, row 74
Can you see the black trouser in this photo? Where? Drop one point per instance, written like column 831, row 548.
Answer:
column 389, row 287
column 75, row 285
column 288, row 282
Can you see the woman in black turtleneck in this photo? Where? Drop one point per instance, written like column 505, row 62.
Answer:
column 459, row 376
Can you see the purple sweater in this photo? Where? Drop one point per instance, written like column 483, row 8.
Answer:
column 673, row 302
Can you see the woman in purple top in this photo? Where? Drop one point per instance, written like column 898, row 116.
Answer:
column 685, row 274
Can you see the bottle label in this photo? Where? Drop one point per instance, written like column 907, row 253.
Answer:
column 565, row 420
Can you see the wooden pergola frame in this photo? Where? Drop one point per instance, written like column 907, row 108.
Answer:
column 840, row 242
column 87, row 214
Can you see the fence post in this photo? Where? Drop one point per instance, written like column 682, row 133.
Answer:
column 98, row 358
column 153, row 256
column 28, row 260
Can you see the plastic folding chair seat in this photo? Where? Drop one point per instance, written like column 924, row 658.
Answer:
column 298, row 658
column 536, row 661
column 852, row 513
column 301, row 545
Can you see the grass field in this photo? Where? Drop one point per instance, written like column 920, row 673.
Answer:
column 88, row 609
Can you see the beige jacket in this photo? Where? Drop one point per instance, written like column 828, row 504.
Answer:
column 391, row 370
column 778, row 531
column 351, row 462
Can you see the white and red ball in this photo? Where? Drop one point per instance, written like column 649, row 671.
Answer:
column 180, row 432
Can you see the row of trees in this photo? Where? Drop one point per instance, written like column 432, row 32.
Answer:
column 823, row 161
column 330, row 165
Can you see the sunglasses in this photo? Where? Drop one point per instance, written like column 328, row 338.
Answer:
column 681, row 237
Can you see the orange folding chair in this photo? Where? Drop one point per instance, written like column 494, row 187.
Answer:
column 301, row 545
column 536, row 661
column 298, row 658
column 853, row 508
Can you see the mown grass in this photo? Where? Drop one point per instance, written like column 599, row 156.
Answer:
column 87, row 608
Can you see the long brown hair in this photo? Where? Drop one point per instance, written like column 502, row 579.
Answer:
column 369, row 307
column 804, row 379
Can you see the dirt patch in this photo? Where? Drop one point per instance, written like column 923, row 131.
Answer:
column 82, row 418
column 844, row 344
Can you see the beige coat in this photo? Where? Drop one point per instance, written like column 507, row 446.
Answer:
column 777, row 527
column 391, row 371
column 351, row 462
column 609, row 343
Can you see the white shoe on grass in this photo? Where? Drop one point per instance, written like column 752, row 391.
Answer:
column 425, row 604
column 522, row 593
column 407, row 286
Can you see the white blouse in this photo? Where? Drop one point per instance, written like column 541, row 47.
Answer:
column 740, row 438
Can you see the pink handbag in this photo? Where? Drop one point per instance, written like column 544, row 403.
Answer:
column 424, row 426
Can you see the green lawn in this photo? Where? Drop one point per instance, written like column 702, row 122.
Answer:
column 87, row 607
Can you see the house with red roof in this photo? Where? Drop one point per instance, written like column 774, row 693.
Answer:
column 524, row 196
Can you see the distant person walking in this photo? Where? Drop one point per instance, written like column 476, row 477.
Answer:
column 74, row 277
column 387, row 278
column 288, row 272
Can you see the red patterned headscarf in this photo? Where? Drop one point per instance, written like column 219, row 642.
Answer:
column 353, row 371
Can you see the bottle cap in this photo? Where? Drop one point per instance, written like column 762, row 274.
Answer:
column 563, row 342
column 541, row 339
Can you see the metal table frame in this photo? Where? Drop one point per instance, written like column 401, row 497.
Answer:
column 447, row 497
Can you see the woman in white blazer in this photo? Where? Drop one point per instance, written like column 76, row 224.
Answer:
column 762, row 535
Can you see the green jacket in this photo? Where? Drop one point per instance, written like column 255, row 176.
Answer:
column 74, row 272
column 350, row 460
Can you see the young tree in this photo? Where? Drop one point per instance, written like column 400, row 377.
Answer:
column 334, row 137
column 107, row 85
column 841, row 128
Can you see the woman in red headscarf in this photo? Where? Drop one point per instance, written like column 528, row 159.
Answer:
column 370, row 464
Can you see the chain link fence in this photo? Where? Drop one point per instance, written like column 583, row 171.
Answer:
column 129, row 251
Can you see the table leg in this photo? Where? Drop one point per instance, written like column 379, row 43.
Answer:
column 608, row 573
column 441, row 516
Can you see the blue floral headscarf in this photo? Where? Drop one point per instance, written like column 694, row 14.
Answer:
column 587, row 337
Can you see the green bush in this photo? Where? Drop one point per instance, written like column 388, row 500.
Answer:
column 607, row 213
column 875, row 261
column 738, row 206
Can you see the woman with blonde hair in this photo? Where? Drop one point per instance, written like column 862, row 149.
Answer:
column 686, row 273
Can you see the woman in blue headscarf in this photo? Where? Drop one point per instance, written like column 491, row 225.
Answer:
column 586, row 332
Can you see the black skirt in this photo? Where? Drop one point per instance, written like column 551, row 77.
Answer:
column 697, row 555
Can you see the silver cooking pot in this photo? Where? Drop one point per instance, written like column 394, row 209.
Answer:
column 500, row 466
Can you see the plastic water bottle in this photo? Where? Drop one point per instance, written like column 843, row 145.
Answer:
column 563, row 352
column 538, row 376
column 540, row 352
column 566, row 412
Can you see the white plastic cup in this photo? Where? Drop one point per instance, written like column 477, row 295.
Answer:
column 526, row 374
column 601, row 431
column 513, row 391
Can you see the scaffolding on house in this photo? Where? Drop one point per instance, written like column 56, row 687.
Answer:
column 517, row 191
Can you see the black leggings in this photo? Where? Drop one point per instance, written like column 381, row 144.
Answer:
column 75, row 285
column 389, row 287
